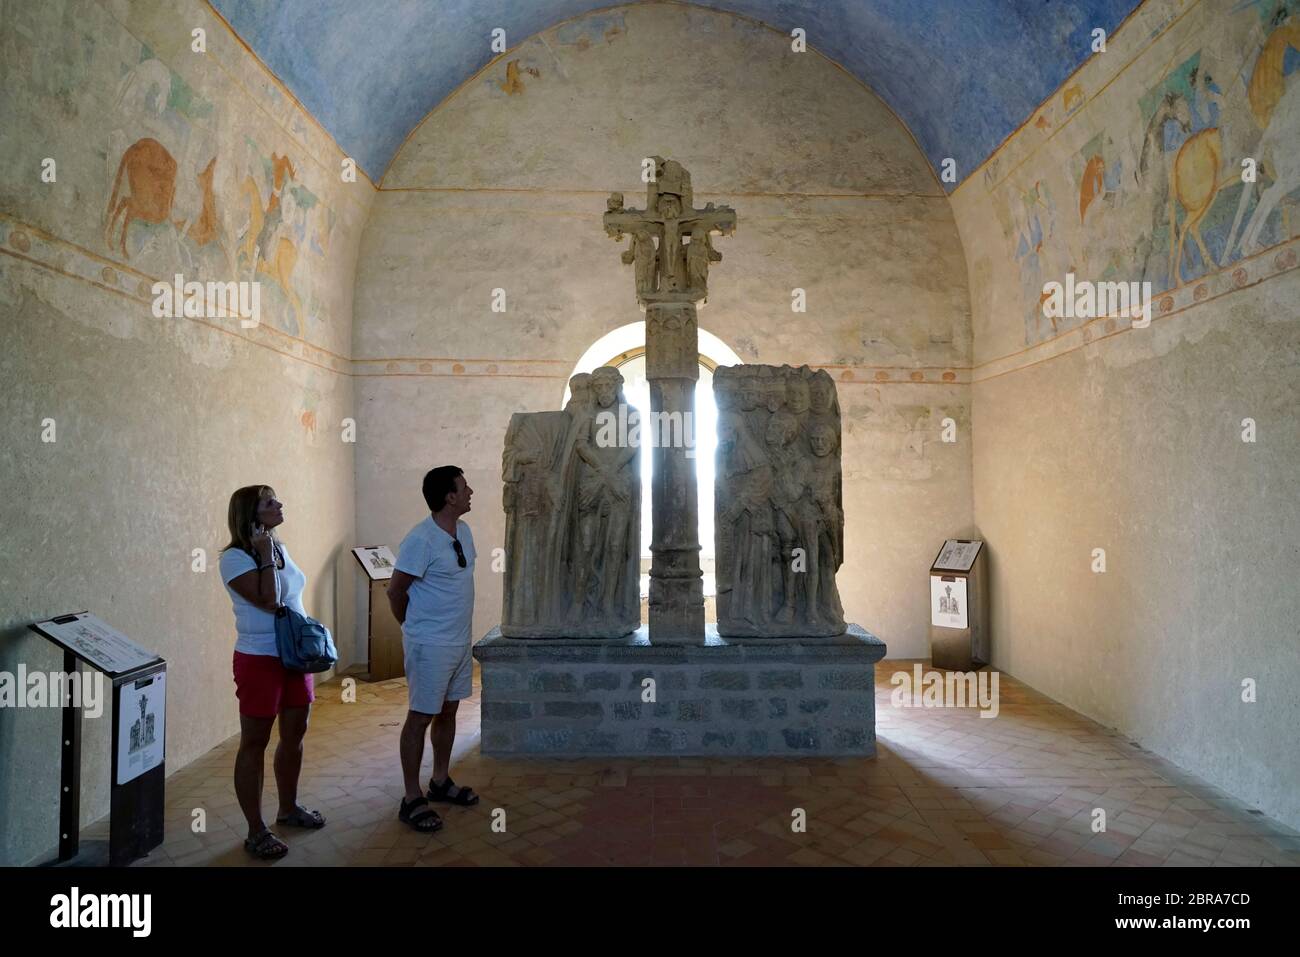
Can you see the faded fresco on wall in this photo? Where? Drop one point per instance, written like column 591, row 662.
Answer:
column 144, row 140
column 1155, row 192
column 180, row 199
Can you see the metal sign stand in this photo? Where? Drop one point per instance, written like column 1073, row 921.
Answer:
column 959, row 638
column 135, row 806
column 384, row 658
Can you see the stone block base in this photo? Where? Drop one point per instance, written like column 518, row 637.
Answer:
column 757, row 696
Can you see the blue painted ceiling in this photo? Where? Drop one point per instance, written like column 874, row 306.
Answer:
column 962, row 74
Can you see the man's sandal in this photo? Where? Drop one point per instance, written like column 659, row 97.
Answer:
column 266, row 846
column 302, row 817
column 464, row 797
column 419, row 815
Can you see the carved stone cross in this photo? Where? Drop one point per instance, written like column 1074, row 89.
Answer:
column 671, row 251
column 670, row 239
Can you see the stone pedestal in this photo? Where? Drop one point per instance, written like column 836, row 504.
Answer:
column 769, row 696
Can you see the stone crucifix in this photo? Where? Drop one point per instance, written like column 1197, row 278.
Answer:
column 671, row 251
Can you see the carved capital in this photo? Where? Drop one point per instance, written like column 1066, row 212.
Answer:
column 672, row 342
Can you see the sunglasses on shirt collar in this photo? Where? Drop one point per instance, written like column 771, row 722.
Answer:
column 460, row 552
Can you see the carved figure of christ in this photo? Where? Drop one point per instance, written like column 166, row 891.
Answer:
column 670, row 224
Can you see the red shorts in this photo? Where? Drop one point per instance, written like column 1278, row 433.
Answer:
column 265, row 687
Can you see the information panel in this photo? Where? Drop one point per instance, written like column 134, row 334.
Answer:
column 948, row 602
column 141, row 716
column 100, row 644
column 957, row 556
column 377, row 560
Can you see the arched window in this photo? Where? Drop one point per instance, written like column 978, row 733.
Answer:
column 624, row 348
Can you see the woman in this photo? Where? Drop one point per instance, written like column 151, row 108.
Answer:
column 260, row 576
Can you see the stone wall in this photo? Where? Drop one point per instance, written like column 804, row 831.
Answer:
column 157, row 420
column 770, row 696
column 503, row 187
column 1092, row 434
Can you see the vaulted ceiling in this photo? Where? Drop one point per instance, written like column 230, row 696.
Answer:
column 962, row 74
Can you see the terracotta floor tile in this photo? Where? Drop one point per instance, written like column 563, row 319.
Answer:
column 943, row 790
column 990, row 842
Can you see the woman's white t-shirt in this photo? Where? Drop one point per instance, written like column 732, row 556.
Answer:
column 255, row 627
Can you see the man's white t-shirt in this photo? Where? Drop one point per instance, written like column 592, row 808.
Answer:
column 440, row 606
column 255, row 627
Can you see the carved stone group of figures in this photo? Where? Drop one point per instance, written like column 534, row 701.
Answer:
column 573, row 519
column 778, row 502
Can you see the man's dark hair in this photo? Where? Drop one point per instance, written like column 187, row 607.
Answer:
column 438, row 484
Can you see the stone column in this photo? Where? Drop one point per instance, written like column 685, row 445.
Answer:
column 672, row 369
column 671, row 249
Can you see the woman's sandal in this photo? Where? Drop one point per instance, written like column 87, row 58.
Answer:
column 266, row 846
column 302, row 817
column 465, row 797
column 425, row 819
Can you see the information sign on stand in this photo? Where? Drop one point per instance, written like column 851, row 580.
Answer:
column 959, row 635
column 139, row 716
column 384, row 655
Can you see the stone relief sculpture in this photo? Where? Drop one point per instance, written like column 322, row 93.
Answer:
column 533, row 492
column 670, row 246
column 641, row 255
column 779, row 520
column 572, row 497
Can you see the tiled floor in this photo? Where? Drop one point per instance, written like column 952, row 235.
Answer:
column 946, row 788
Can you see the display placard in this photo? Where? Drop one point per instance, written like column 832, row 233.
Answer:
column 96, row 642
column 948, row 607
column 141, row 720
column 377, row 560
column 956, row 556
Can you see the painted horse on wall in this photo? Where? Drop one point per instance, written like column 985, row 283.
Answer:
column 1193, row 176
column 271, row 252
column 1275, row 107
column 1197, row 178
column 1172, row 108
column 150, row 173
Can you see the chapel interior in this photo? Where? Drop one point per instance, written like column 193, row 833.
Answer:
column 417, row 191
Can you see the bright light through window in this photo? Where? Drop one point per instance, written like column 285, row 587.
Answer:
column 637, row 392
column 629, row 340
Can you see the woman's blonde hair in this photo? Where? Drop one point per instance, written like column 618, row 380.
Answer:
column 243, row 513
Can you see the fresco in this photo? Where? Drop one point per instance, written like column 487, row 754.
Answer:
column 1035, row 225
column 151, row 177
column 179, row 200
column 1155, row 191
column 962, row 74
column 1273, row 92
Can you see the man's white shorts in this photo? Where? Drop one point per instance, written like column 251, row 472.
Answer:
column 436, row 674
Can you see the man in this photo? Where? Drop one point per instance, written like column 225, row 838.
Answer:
column 432, row 595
